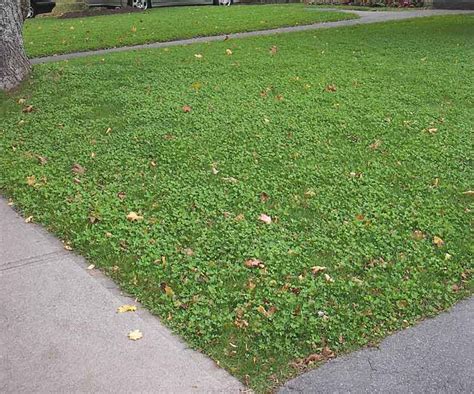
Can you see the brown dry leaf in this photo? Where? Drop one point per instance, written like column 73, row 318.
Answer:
column 435, row 182
column 253, row 263
column 328, row 278
column 29, row 219
column 121, row 195
column 28, row 109
column 273, row 50
column 469, row 193
column 264, row 197
column 168, row 291
column 455, row 288
column 126, row 308
column 228, row 52
column 68, row 247
column 31, row 180
column 186, row 108
column 360, row 217
column 375, row 145
column 133, row 29
column 317, row 269
column 21, row 101
column 265, row 218
column 91, row 267
column 330, row 88
column 135, row 335
column 309, row 193
column 418, row 235
column 134, row 217
column 42, row 160
column 214, row 170
column 188, row 252
column 432, row 130
column 279, row 97
column 313, row 358
column 327, row 352
column 438, row 241
column 198, row 56
column 108, row 131
column 77, row 180
column 239, row 217
column 78, row 169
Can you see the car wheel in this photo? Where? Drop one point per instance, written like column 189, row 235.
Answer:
column 142, row 4
column 31, row 12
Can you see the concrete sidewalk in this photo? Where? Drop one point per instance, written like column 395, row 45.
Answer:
column 365, row 17
column 60, row 331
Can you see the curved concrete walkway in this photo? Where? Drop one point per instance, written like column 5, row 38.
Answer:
column 365, row 17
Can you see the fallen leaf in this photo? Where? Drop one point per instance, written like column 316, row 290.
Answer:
column 121, row 195
column 317, row 269
column 135, row 335
column 42, row 160
column 68, row 247
column 438, row 241
column 432, row 130
column 126, row 308
column 328, row 278
column 188, row 252
column 29, row 219
column 375, row 145
column 169, row 291
column 309, row 193
column 214, row 170
column 273, row 50
column 198, row 56
column 108, row 131
column 253, row 263
column 265, row 218
column 435, row 182
column 78, row 169
column 313, row 358
column 455, row 288
column 21, row 101
column 186, row 108
column 264, row 197
column 239, row 217
column 133, row 29
column 28, row 109
column 228, row 52
column 134, row 217
column 91, row 267
column 31, row 180
column 469, row 193
column 330, row 88
column 418, row 235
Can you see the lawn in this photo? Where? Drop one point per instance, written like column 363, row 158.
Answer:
column 157, row 166
column 49, row 36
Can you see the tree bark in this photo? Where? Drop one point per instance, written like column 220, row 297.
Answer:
column 14, row 64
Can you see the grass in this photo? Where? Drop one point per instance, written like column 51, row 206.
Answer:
column 360, row 154
column 365, row 8
column 49, row 36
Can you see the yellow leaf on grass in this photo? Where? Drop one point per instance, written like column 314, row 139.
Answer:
column 134, row 217
column 135, row 335
column 126, row 308
column 31, row 180
column 169, row 291
column 438, row 241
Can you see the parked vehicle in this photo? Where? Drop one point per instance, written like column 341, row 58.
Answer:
column 145, row 4
column 40, row 7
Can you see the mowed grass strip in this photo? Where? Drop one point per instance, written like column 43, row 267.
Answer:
column 357, row 143
column 49, row 36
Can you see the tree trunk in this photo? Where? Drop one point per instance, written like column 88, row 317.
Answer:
column 14, row 65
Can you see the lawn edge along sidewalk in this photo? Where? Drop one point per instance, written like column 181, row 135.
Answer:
column 61, row 331
column 365, row 17
column 437, row 355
